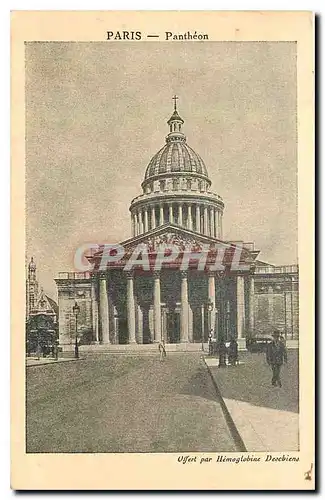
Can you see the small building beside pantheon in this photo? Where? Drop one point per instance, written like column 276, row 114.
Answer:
column 235, row 294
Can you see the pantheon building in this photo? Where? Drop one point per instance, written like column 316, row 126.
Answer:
column 177, row 207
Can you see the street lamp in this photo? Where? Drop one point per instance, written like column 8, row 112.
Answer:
column 227, row 320
column 76, row 311
column 210, row 309
column 222, row 345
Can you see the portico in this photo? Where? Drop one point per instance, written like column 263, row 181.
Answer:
column 170, row 304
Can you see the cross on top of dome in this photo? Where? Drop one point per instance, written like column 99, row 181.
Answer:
column 175, row 122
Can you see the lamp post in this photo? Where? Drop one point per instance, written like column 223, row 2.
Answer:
column 227, row 320
column 209, row 309
column 222, row 345
column 76, row 311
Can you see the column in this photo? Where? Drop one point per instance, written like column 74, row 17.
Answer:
column 212, row 222
column 164, row 335
column 94, row 311
column 190, row 324
column 184, row 308
column 180, row 214
column 171, row 214
column 216, row 218
column 197, row 219
column 139, row 324
column 103, row 305
column 220, row 227
column 240, row 307
column 205, row 220
column 251, row 305
column 161, row 215
column 212, row 298
column 133, row 224
column 202, row 321
column 146, row 223
column 151, row 324
column 153, row 218
column 140, row 222
column 130, row 307
column 189, row 217
column 115, row 321
column 136, row 224
column 156, row 307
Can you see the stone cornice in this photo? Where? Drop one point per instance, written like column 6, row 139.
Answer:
column 153, row 199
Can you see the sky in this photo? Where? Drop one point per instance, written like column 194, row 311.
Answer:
column 96, row 113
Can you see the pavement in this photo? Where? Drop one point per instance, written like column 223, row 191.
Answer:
column 113, row 403
column 265, row 417
column 34, row 361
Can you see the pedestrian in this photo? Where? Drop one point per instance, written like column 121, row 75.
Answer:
column 276, row 354
column 210, row 336
column 162, row 350
column 222, row 349
column 233, row 352
column 283, row 340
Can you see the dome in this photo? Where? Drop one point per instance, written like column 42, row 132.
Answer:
column 174, row 157
column 176, row 189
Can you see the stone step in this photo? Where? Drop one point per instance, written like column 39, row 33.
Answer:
column 136, row 348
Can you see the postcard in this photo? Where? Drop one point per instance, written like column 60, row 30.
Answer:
column 162, row 250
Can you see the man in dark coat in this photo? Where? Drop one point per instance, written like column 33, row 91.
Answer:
column 276, row 354
column 233, row 352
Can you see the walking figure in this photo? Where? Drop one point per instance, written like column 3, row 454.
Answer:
column 210, row 336
column 233, row 352
column 162, row 350
column 276, row 354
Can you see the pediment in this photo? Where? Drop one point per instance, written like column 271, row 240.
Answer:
column 185, row 241
column 173, row 235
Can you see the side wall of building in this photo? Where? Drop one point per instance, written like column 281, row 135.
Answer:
column 276, row 305
column 69, row 292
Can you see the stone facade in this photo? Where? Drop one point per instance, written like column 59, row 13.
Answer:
column 178, row 208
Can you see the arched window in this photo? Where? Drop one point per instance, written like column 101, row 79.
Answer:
column 188, row 184
column 162, row 185
column 175, row 184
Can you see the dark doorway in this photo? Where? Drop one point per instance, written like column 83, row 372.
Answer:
column 173, row 327
column 123, row 334
column 147, row 335
column 198, row 325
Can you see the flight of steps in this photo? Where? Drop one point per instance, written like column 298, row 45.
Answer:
column 135, row 348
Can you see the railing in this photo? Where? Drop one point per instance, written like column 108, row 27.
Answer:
column 74, row 276
column 276, row 269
